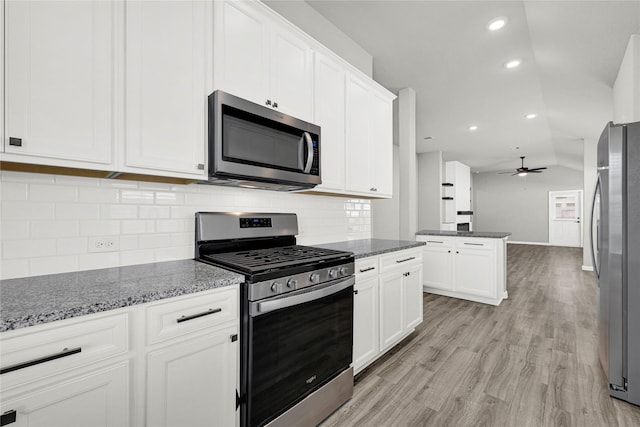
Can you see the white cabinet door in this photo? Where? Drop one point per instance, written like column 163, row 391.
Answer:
column 241, row 49
column 329, row 104
column 98, row 398
column 193, row 382
column 365, row 322
column 437, row 268
column 413, row 297
column 59, row 76
column 358, row 136
column 166, row 96
column 391, row 309
column 475, row 272
column 382, row 145
column 291, row 74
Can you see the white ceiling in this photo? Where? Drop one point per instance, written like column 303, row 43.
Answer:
column 571, row 52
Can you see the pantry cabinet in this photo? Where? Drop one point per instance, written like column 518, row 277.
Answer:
column 465, row 267
column 263, row 61
column 60, row 71
column 167, row 74
column 387, row 303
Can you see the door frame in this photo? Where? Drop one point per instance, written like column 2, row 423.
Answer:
column 551, row 214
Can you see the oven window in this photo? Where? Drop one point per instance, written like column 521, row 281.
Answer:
column 294, row 350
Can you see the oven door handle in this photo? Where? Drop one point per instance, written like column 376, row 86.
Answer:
column 259, row 308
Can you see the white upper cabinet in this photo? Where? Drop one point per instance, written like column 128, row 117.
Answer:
column 369, row 139
column 329, row 103
column 59, row 81
column 166, row 86
column 261, row 60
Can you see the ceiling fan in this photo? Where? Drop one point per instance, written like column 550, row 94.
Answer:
column 522, row 171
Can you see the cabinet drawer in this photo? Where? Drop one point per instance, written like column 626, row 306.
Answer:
column 400, row 258
column 189, row 314
column 476, row 243
column 436, row 241
column 366, row 267
column 41, row 351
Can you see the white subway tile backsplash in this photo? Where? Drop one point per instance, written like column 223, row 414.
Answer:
column 21, row 210
column 137, row 197
column 14, row 229
column 55, row 228
column 13, row 191
column 99, row 228
column 52, row 265
column 52, row 193
column 72, row 246
column 12, row 268
column 77, row 211
column 98, row 195
column 118, row 211
column 48, row 231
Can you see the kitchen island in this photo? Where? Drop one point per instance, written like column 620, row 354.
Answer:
column 469, row 265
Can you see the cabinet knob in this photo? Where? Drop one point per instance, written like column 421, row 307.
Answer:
column 268, row 102
column 373, row 189
column 275, row 105
column 449, row 251
column 16, row 142
column 355, row 292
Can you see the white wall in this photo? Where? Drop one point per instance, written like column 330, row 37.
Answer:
column 386, row 212
column 430, row 173
column 520, row 204
column 47, row 221
column 320, row 28
column 626, row 89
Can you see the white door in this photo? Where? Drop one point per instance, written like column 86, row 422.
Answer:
column 565, row 218
column 365, row 321
column 474, row 272
column 166, row 74
column 413, row 297
column 193, row 382
column 391, row 309
column 358, row 136
column 437, row 267
column 382, row 145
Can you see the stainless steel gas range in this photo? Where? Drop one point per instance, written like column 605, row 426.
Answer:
column 296, row 310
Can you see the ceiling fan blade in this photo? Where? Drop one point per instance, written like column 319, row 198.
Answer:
column 535, row 169
column 505, row 172
column 514, row 174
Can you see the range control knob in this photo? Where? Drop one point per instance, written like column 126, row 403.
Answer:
column 333, row 274
column 344, row 271
column 315, row 277
column 276, row 287
column 292, row 284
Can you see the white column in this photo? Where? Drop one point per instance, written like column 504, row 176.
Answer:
column 407, row 162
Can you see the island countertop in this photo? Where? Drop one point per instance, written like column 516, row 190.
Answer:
column 369, row 247
column 35, row 300
column 483, row 234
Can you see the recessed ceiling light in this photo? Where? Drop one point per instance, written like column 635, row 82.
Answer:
column 473, row 127
column 513, row 63
column 497, row 23
column 531, row 116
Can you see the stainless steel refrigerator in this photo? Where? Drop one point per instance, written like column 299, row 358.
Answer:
column 615, row 243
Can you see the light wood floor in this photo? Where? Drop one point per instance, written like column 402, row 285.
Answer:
column 532, row 361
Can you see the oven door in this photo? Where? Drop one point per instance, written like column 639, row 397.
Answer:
column 297, row 343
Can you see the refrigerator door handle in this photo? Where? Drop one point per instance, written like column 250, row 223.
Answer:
column 593, row 208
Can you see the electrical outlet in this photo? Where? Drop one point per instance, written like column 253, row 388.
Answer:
column 104, row 244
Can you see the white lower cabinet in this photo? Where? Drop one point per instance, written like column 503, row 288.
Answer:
column 465, row 267
column 387, row 305
column 172, row 362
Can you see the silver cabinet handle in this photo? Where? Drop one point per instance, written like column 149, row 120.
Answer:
column 195, row 316
column 405, row 260
column 474, row 244
column 64, row 353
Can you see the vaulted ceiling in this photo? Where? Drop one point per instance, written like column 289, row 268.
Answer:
column 570, row 52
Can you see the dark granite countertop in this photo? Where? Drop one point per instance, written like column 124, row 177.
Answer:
column 486, row 234
column 369, row 247
column 34, row 300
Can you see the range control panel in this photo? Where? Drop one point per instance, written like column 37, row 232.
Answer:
column 255, row 222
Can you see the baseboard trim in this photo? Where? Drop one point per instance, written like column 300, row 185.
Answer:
column 529, row 243
column 587, row 268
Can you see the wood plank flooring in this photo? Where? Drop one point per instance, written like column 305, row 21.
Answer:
column 532, row 361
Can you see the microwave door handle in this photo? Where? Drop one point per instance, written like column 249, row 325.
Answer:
column 301, row 152
column 307, row 137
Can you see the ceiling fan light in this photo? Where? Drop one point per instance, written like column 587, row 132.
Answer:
column 522, row 174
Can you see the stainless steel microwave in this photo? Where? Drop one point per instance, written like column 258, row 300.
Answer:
column 258, row 147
